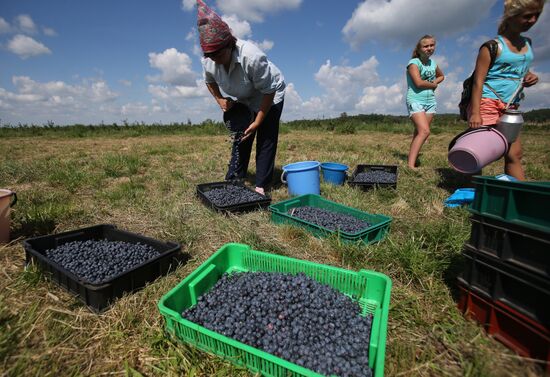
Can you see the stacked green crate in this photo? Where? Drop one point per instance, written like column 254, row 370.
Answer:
column 506, row 281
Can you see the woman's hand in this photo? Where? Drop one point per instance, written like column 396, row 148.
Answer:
column 250, row 130
column 474, row 121
column 530, row 79
column 225, row 103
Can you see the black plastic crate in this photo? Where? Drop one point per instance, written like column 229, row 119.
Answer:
column 99, row 297
column 523, row 291
column 241, row 207
column 515, row 245
column 367, row 168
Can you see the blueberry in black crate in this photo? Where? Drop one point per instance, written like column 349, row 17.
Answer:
column 101, row 263
column 231, row 196
column 368, row 176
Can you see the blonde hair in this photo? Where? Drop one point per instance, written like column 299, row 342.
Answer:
column 416, row 51
column 514, row 7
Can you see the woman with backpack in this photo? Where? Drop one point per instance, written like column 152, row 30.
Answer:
column 423, row 77
column 495, row 85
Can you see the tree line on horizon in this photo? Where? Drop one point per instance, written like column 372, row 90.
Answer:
column 537, row 116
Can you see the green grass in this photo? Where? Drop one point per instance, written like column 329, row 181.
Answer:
column 143, row 179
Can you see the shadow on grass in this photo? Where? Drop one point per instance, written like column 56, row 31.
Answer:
column 457, row 266
column 450, row 179
column 400, row 155
column 276, row 183
column 34, row 228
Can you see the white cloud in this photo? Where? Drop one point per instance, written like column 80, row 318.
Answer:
column 4, row 26
column 127, row 83
column 175, row 67
column 255, row 10
column 169, row 92
column 49, row 31
column 26, row 47
column 239, row 29
column 188, row 4
column 381, row 99
column 135, row 110
column 192, row 35
column 540, row 33
column 265, row 45
column 38, row 102
column 536, row 97
column 25, row 24
column 343, row 83
column 405, row 21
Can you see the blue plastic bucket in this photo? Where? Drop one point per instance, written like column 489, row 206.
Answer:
column 302, row 177
column 334, row 172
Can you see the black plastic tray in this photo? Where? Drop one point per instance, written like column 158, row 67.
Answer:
column 241, row 207
column 521, row 290
column 99, row 297
column 369, row 185
column 515, row 245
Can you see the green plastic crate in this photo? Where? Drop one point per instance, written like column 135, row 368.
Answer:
column 380, row 224
column 522, row 203
column 370, row 289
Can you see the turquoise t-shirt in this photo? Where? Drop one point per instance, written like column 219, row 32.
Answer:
column 427, row 72
column 507, row 72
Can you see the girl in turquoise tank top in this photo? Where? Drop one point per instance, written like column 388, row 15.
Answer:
column 423, row 77
column 494, row 87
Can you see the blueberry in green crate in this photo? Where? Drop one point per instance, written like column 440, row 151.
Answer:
column 243, row 274
column 323, row 217
column 290, row 316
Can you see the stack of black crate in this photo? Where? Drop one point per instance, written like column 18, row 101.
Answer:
column 505, row 284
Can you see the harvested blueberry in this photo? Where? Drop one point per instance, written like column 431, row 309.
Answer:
column 375, row 176
column 291, row 316
column 229, row 195
column 329, row 219
column 97, row 261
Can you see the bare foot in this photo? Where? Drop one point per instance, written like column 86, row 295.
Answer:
column 260, row 190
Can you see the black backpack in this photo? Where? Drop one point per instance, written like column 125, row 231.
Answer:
column 466, row 95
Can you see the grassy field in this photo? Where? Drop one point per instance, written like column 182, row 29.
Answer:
column 145, row 183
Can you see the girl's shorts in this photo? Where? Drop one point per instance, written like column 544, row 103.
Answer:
column 490, row 110
column 416, row 107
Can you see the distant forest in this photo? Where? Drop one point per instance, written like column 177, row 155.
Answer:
column 541, row 116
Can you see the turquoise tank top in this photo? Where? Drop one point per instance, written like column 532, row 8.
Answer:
column 507, row 72
column 427, row 72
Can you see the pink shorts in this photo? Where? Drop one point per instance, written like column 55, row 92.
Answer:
column 490, row 110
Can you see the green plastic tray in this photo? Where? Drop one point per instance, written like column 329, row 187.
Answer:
column 370, row 289
column 380, row 224
column 522, row 203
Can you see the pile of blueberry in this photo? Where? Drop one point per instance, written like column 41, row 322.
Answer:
column 376, row 176
column 237, row 119
column 291, row 316
column 229, row 195
column 329, row 219
column 235, row 140
column 97, row 261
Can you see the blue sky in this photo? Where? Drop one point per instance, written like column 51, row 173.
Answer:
column 72, row 61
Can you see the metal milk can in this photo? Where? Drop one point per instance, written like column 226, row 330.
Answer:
column 509, row 124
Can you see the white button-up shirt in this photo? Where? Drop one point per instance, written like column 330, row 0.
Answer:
column 250, row 76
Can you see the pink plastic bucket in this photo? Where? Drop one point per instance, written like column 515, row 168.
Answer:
column 470, row 151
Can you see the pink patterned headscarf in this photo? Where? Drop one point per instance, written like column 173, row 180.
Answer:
column 214, row 33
